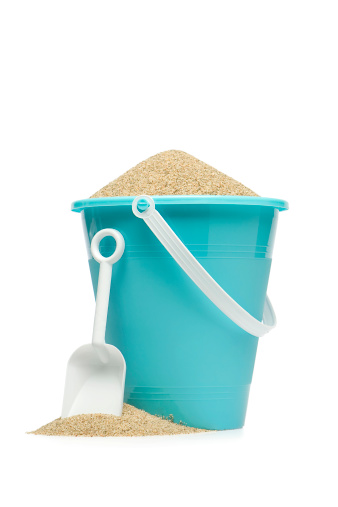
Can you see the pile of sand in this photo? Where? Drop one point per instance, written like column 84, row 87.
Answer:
column 132, row 423
column 173, row 173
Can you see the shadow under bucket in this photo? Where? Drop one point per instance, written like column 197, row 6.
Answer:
column 184, row 357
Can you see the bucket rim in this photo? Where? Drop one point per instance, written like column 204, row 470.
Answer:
column 279, row 204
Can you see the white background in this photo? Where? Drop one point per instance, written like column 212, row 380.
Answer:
column 88, row 90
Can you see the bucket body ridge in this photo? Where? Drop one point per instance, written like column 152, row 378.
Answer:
column 184, row 356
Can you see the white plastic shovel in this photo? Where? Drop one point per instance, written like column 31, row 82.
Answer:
column 96, row 372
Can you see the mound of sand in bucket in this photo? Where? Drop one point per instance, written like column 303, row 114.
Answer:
column 132, row 423
column 173, row 172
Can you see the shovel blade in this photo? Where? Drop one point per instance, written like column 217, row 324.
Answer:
column 94, row 381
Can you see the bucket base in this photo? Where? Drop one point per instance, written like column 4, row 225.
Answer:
column 218, row 408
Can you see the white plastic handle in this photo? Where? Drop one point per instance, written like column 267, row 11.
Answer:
column 116, row 256
column 104, row 282
column 199, row 275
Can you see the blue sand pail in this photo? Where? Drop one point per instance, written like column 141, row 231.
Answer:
column 184, row 357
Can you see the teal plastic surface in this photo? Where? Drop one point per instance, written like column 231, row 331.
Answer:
column 184, row 356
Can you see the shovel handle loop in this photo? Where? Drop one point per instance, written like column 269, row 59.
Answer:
column 120, row 245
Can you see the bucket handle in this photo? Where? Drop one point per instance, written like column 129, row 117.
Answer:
column 198, row 274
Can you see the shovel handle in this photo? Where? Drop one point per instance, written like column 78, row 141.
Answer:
column 116, row 256
column 104, row 282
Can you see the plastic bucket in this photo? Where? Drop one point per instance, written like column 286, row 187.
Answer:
column 184, row 357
